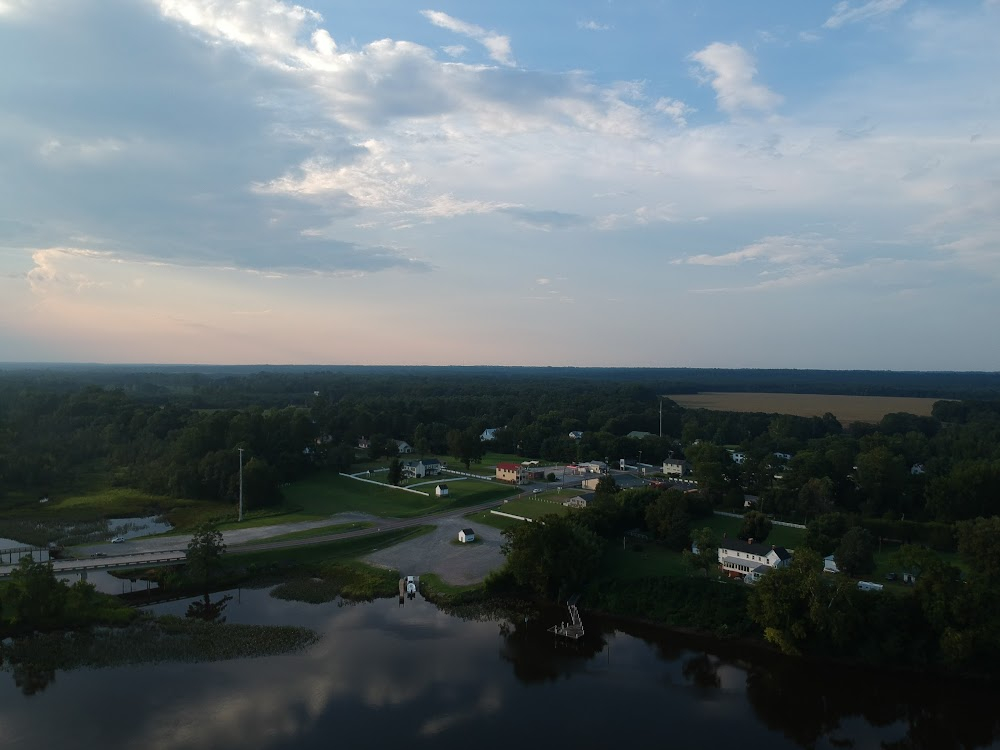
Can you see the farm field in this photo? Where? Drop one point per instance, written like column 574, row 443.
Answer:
column 847, row 409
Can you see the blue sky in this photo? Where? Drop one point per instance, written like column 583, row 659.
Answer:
column 716, row 184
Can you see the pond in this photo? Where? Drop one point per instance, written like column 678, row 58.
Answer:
column 385, row 674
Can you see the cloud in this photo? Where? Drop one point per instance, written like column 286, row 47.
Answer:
column 845, row 13
column 778, row 250
column 546, row 220
column 497, row 46
column 591, row 25
column 731, row 70
column 455, row 50
column 675, row 109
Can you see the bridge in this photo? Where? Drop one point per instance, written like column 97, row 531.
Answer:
column 114, row 561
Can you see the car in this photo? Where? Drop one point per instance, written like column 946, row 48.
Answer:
column 890, row 576
column 118, row 540
column 535, row 491
column 98, row 554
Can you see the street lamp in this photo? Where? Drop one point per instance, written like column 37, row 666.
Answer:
column 241, row 483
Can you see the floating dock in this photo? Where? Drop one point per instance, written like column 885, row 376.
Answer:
column 574, row 628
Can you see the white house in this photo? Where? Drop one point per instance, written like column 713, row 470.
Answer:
column 580, row 501
column 869, row 586
column 441, row 490
column 466, row 535
column 917, row 469
column 426, row 467
column 749, row 561
column 674, row 467
column 576, row 434
column 598, row 467
column 490, row 433
column 403, row 447
column 830, row 565
column 738, row 457
column 783, row 456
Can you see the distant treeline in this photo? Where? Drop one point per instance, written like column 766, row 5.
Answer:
column 209, row 387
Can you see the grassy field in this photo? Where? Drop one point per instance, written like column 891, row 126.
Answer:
column 341, row 551
column 324, row 494
column 642, row 560
column 531, row 508
column 486, row 518
column 337, row 528
column 846, row 408
column 782, row 536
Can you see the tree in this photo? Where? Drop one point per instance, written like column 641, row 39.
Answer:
column 35, row 597
column 554, row 555
column 465, row 445
column 856, row 552
column 755, row 526
column 705, row 553
column 668, row 518
column 261, row 486
column 204, row 553
column 395, row 471
column 606, row 488
column 979, row 545
column 825, row 532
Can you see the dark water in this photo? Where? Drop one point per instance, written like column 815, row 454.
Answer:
column 385, row 676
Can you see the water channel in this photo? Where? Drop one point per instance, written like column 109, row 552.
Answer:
column 385, row 675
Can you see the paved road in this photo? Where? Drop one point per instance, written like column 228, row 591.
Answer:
column 140, row 552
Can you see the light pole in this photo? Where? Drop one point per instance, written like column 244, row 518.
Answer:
column 241, row 483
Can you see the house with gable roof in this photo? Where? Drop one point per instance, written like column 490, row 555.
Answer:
column 749, row 560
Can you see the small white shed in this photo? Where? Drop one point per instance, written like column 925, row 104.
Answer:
column 466, row 535
column 441, row 490
column 830, row 564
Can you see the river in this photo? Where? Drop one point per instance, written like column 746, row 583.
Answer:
column 385, row 675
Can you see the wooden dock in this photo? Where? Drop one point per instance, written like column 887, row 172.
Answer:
column 574, row 628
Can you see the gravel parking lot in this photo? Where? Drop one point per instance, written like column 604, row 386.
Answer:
column 440, row 552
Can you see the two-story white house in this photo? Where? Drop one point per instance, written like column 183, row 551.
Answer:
column 426, row 467
column 676, row 467
column 749, row 561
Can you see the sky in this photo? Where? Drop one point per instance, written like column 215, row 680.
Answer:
column 644, row 183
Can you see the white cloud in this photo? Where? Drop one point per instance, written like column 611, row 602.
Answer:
column 591, row 25
column 731, row 71
column 455, row 50
column 844, row 12
column 496, row 45
column 675, row 109
column 778, row 250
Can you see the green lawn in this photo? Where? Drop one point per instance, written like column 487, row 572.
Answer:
column 782, row 536
column 529, row 507
column 336, row 528
column 642, row 560
column 326, row 493
column 341, row 551
column 492, row 519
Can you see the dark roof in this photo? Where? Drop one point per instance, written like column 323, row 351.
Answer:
column 754, row 549
column 443, row 486
column 468, row 531
column 675, row 461
column 427, row 461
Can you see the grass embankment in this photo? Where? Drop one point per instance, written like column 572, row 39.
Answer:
column 486, row 518
column 530, row 507
column 353, row 580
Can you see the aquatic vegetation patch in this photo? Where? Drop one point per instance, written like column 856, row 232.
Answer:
column 324, row 583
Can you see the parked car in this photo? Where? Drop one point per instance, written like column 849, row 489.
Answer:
column 118, row 540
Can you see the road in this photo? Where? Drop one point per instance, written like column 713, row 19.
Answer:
column 144, row 552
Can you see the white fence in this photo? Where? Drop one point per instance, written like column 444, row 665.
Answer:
column 511, row 515
column 383, row 484
column 776, row 523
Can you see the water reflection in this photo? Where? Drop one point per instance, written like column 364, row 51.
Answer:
column 383, row 676
column 208, row 610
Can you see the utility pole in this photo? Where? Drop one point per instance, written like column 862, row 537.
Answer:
column 661, row 417
column 241, row 482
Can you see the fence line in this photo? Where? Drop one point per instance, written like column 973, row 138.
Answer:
column 511, row 515
column 485, row 477
column 776, row 523
column 383, row 484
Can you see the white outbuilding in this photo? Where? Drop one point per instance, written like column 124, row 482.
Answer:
column 466, row 535
column 441, row 490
